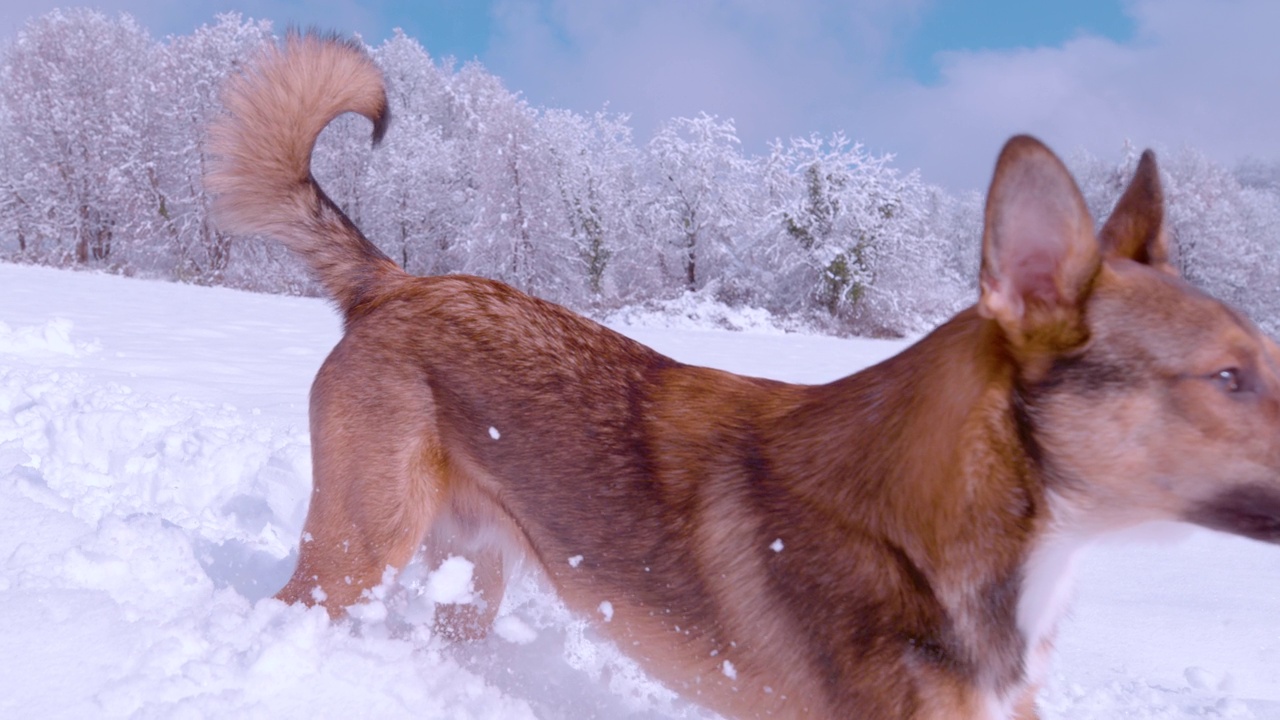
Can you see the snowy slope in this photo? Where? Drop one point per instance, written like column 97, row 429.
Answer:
column 154, row 470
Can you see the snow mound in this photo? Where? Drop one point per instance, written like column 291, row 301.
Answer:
column 104, row 450
column 701, row 311
column 51, row 338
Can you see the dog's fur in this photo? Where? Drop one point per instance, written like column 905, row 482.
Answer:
column 928, row 508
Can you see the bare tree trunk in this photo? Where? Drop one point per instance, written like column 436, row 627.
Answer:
column 691, row 260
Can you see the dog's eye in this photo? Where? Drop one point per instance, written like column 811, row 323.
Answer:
column 1229, row 379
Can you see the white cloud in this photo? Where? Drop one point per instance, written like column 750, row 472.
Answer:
column 1200, row 72
column 773, row 67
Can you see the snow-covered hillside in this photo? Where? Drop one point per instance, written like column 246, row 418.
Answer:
column 154, row 471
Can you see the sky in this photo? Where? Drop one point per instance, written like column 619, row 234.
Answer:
column 941, row 84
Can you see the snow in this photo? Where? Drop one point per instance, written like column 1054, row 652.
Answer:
column 154, row 473
column 514, row 630
column 698, row 311
column 451, row 582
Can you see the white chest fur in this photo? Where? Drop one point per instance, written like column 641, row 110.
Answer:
column 1047, row 585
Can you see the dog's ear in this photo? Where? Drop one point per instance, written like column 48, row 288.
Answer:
column 1135, row 229
column 1039, row 253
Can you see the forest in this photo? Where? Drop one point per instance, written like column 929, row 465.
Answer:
column 102, row 153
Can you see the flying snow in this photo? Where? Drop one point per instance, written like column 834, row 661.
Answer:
column 451, row 582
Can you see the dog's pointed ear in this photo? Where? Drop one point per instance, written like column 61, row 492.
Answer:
column 1039, row 253
column 1135, row 229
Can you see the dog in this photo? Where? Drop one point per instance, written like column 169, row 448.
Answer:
column 894, row 544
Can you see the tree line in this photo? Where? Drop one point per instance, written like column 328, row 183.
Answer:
column 102, row 153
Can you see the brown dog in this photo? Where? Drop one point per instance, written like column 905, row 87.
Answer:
column 892, row 545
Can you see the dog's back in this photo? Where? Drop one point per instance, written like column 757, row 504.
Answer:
column 894, row 544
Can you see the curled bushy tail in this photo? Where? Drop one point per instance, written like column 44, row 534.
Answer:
column 261, row 149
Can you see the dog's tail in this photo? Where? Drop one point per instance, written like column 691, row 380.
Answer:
column 260, row 171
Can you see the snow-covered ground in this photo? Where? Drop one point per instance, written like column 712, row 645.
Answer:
column 154, row 471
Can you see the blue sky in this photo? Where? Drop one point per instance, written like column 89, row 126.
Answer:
column 940, row 83
column 975, row 25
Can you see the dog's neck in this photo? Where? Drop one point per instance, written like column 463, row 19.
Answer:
column 933, row 462
column 928, row 443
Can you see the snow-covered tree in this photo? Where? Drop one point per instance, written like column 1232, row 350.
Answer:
column 1224, row 235
column 832, row 220
column 698, row 202
column 919, row 278
column 521, row 231
column 1227, row 236
column 851, row 234
column 191, row 71
column 593, row 164
column 416, row 194
column 77, row 87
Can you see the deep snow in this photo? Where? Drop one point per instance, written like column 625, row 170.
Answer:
column 154, row 471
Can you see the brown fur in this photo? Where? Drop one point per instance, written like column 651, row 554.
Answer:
column 927, row 506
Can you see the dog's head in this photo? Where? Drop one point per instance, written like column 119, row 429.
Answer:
column 1142, row 397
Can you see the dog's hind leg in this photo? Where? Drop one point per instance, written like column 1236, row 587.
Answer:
column 379, row 475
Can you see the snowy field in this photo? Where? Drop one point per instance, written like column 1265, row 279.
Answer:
column 154, row 471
